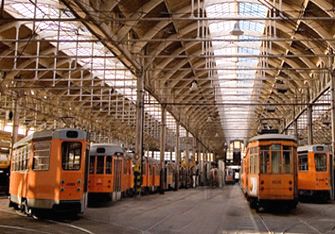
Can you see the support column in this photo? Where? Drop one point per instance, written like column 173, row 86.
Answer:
column 199, row 152
column 177, row 155
column 309, row 119
column 139, row 130
column 187, row 160
column 162, row 148
column 15, row 130
column 333, row 130
column 187, row 153
column 201, row 163
column 194, row 150
column 295, row 123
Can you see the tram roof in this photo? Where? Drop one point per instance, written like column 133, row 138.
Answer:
column 312, row 148
column 52, row 134
column 110, row 149
column 273, row 137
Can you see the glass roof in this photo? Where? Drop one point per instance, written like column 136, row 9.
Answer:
column 83, row 48
column 235, row 84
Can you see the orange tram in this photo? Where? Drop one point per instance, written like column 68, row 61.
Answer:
column 269, row 171
column 109, row 172
column 314, row 175
column 49, row 171
column 150, row 175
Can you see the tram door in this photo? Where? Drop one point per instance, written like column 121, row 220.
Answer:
column 117, row 178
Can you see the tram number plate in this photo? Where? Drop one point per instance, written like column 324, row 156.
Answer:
column 276, row 181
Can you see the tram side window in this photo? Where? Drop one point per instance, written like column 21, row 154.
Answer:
column 92, row 164
column 265, row 159
column 303, row 162
column 287, row 157
column 20, row 158
column 100, row 165
column 256, row 161
column 71, row 155
column 41, row 157
column 109, row 161
column 320, row 162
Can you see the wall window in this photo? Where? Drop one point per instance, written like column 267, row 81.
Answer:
column 71, row 155
column 41, row 158
column 320, row 162
column 303, row 162
column 287, row 158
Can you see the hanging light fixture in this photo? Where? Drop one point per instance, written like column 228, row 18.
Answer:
column 194, row 85
column 209, row 119
column 236, row 30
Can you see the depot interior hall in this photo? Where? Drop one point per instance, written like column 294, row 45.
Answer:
column 166, row 116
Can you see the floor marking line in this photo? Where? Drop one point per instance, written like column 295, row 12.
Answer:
column 22, row 229
column 264, row 224
column 254, row 223
column 309, row 225
column 71, row 226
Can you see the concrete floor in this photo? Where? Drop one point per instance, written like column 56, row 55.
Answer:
column 186, row 211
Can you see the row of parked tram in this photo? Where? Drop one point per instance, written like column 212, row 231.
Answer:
column 58, row 170
column 276, row 171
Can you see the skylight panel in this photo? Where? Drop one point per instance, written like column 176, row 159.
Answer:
column 236, row 67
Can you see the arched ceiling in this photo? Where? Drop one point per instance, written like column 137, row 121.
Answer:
column 82, row 58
